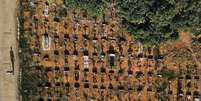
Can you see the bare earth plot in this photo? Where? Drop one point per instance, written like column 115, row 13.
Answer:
column 8, row 82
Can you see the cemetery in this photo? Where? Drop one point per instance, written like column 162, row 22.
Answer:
column 75, row 57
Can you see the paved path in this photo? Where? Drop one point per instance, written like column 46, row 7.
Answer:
column 8, row 82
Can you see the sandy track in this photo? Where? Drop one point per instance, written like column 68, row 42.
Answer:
column 8, row 82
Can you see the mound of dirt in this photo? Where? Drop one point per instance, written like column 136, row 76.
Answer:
column 184, row 41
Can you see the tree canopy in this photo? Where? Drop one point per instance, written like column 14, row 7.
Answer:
column 153, row 21
column 170, row 74
column 93, row 7
column 23, row 43
column 149, row 21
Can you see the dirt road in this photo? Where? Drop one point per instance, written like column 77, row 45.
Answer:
column 8, row 82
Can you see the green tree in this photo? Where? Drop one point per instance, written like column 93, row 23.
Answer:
column 93, row 7
column 23, row 43
column 153, row 21
column 170, row 74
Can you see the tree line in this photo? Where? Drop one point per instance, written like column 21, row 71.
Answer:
column 150, row 21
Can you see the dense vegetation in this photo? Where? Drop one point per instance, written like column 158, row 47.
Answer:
column 28, row 80
column 150, row 21
column 154, row 21
column 92, row 7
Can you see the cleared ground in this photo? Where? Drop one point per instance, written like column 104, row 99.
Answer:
column 8, row 82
